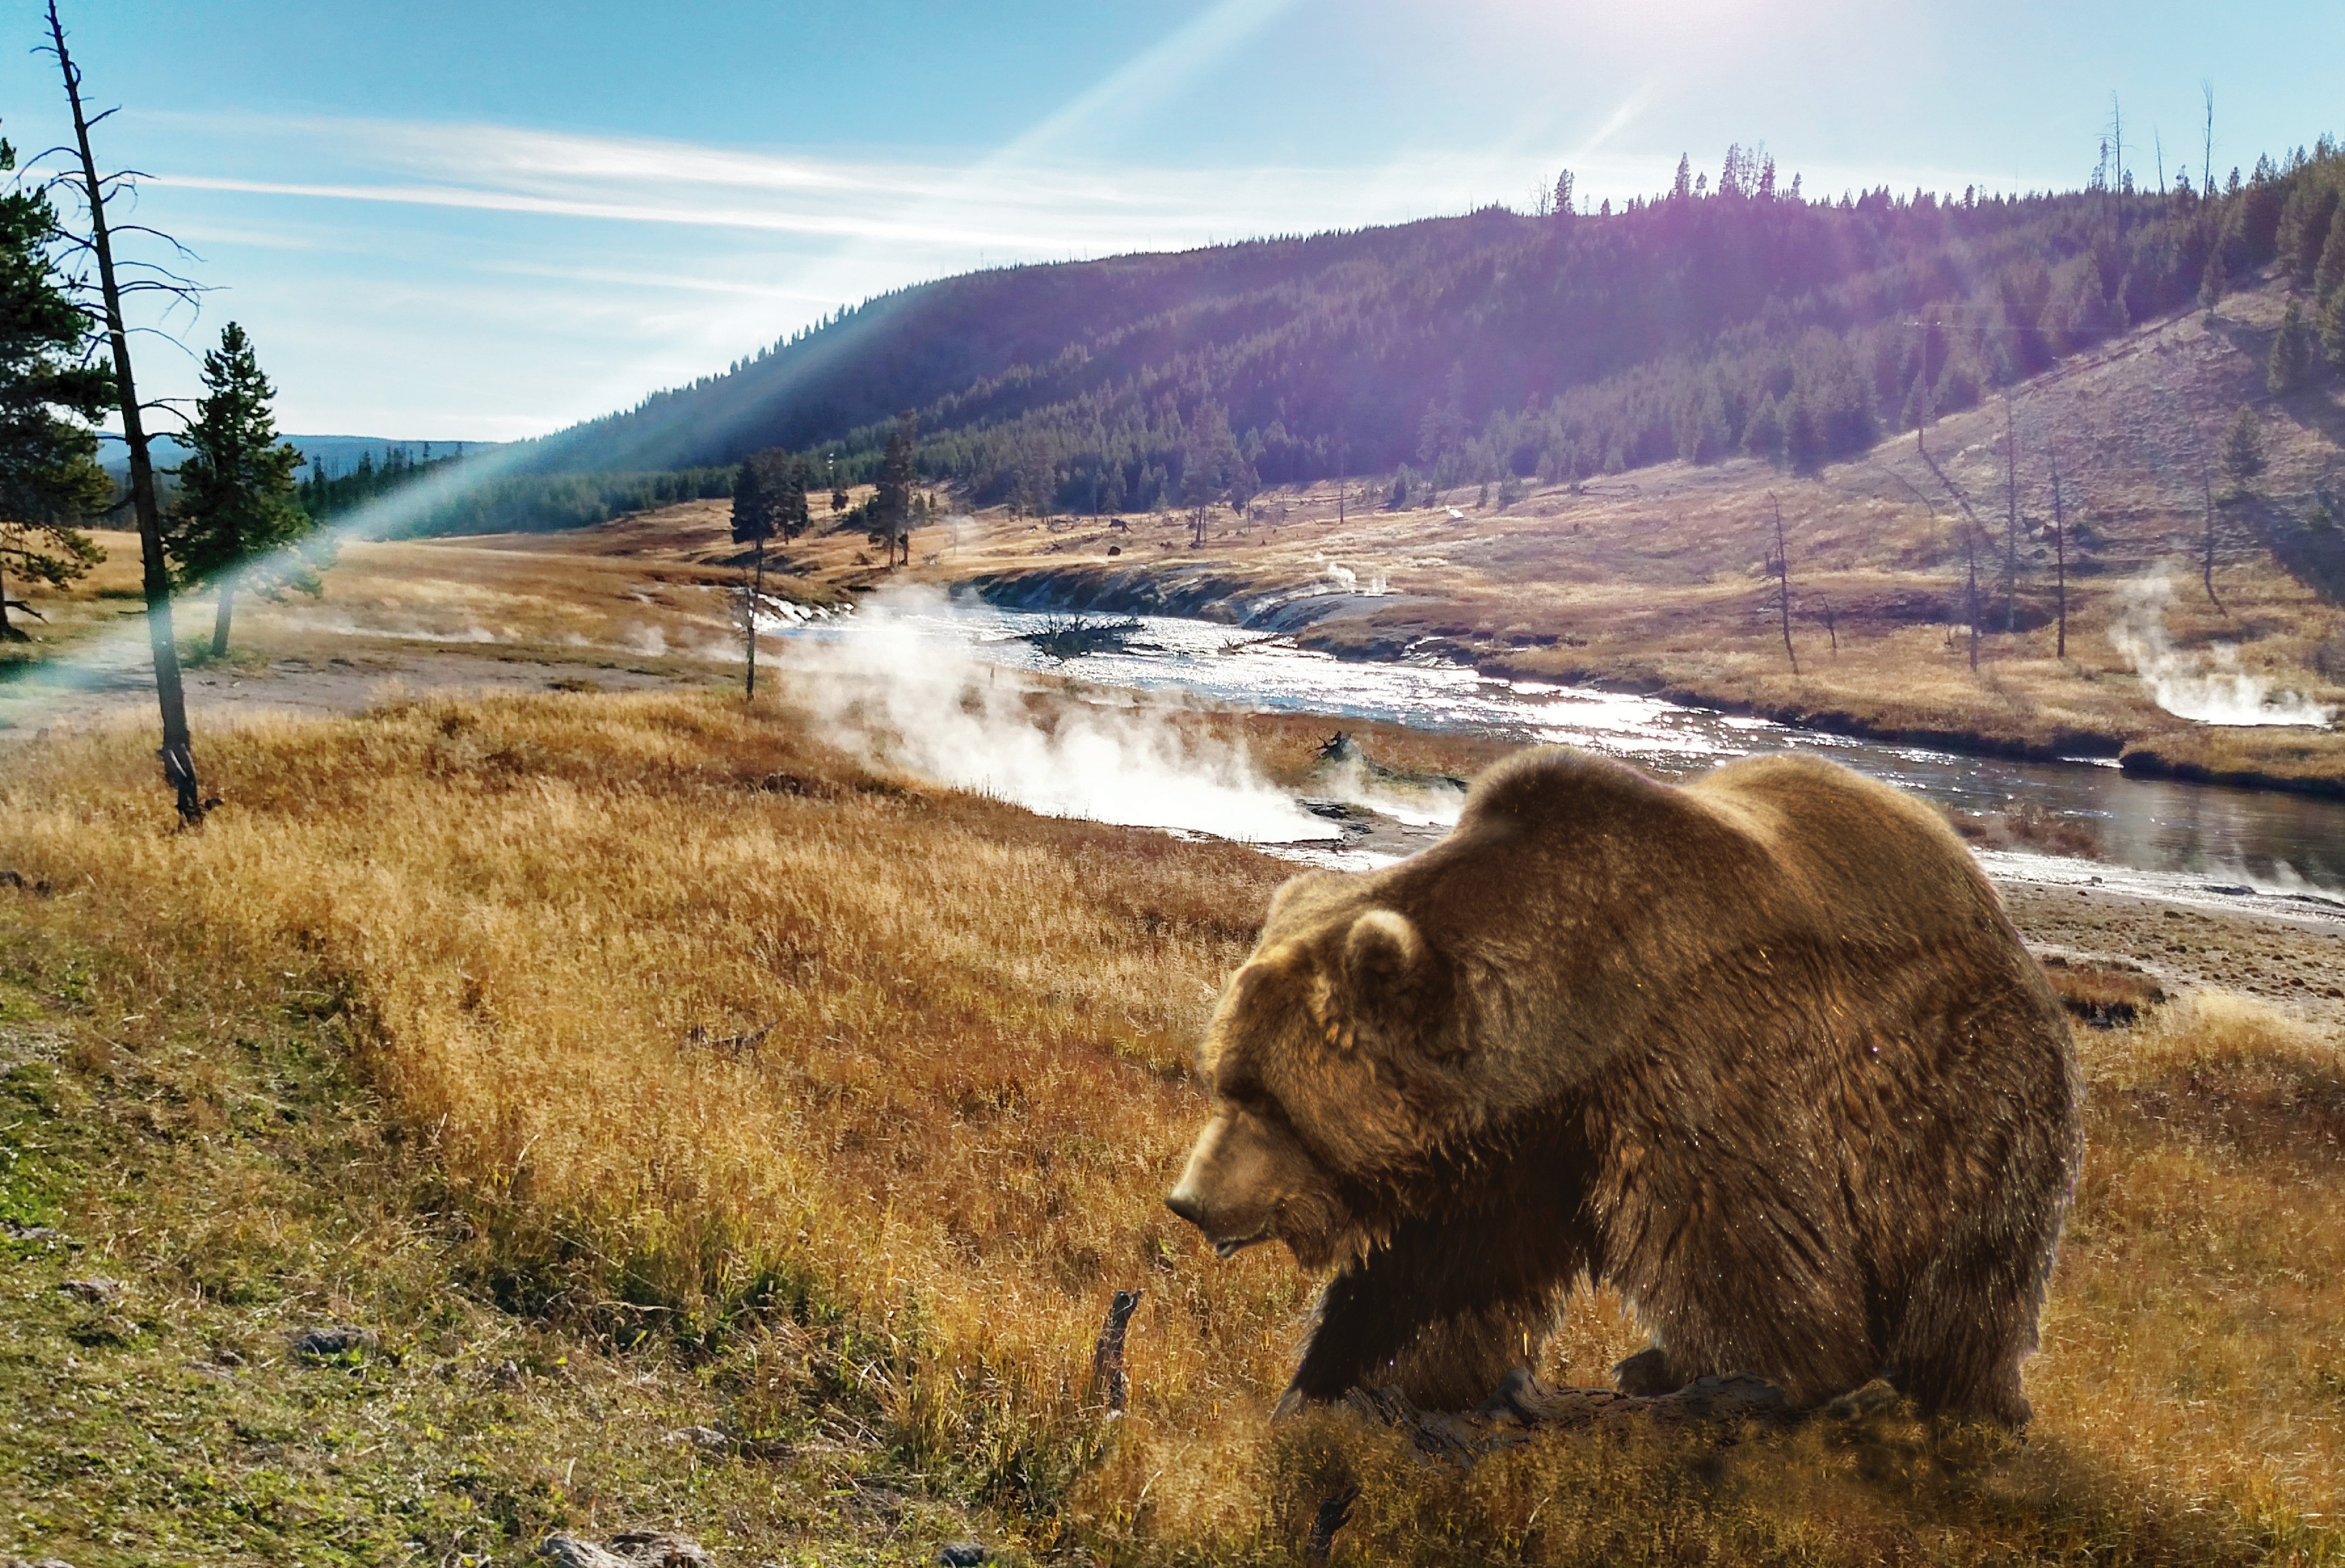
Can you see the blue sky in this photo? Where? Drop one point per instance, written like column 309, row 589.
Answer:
column 482, row 221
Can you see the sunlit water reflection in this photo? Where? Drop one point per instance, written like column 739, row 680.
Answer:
column 2192, row 840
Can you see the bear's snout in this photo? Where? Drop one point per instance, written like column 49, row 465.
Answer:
column 1237, row 1176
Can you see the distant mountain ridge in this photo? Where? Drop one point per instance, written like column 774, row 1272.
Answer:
column 1479, row 348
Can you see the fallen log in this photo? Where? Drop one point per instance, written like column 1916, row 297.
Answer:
column 1110, row 1388
column 1521, row 1409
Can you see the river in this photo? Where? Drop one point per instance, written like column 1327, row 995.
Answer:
column 2190, row 842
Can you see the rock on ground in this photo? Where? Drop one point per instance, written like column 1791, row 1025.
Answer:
column 628, row 1549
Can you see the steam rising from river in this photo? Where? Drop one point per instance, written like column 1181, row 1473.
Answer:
column 1346, row 581
column 2211, row 688
column 890, row 688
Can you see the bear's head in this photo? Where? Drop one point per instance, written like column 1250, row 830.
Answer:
column 1334, row 1062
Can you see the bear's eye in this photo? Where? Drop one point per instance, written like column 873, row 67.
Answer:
column 1239, row 1090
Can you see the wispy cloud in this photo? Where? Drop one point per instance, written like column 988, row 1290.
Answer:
column 489, row 200
column 1008, row 209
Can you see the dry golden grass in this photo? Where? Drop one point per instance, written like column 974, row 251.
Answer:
column 2194, row 1324
column 958, row 1131
column 2103, row 994
column 951, row 1142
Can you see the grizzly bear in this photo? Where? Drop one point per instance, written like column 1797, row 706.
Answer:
column 1761, row 1051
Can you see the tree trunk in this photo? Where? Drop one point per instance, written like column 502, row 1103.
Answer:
column 1110, row 1388
column 1970, row 557
column 2059, row 563
column 757, row 598
column 1783, row 584
column 2010, row 521
column 220, row 620
column 2207, row 558
column 178, row 750
column 1971, row 536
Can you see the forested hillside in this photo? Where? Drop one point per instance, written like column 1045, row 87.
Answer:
column 1706, row 321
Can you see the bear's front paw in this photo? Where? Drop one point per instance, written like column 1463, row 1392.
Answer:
column 1646, row 1374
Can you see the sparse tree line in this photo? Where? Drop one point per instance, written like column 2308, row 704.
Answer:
column 771, row 491
column 541, row 503
column 508, row 504
column 325, row 495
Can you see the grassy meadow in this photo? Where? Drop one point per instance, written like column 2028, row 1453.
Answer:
column 637, row 1062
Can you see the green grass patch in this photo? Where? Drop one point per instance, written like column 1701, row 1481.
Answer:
column 185, row 1190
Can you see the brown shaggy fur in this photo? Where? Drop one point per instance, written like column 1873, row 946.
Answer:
column 1762, row 1051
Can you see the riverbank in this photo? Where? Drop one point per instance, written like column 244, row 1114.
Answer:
column 2301, row 764
column 1903, row 685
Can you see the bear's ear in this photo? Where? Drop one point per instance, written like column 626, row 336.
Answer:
column 1397, row 982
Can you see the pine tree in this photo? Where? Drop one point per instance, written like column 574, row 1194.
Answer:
column 2305, row 225
column 792, row 479
column 2290, row 363
column 1440, row 432
column 1763, row 437
column 752, row 515
column 2332, row 329
column 49, row 476
column 2243, row 451
column 1701, row 433
column 2329, row 277
column 238, row 512
column 753, row 524
column 1804, row 437
column 2214, row 282
column 891, row 499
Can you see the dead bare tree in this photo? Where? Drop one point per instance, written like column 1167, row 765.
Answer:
column 1831, row 625
column 1972, row 533
column 178, row 750
column 2116, row 168
column 1970, row 592
column 2207, row 163
column 1781, row 565
column 1921, row 414
column 2059, row 556
column 2206, row 551
column 2010, row 521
